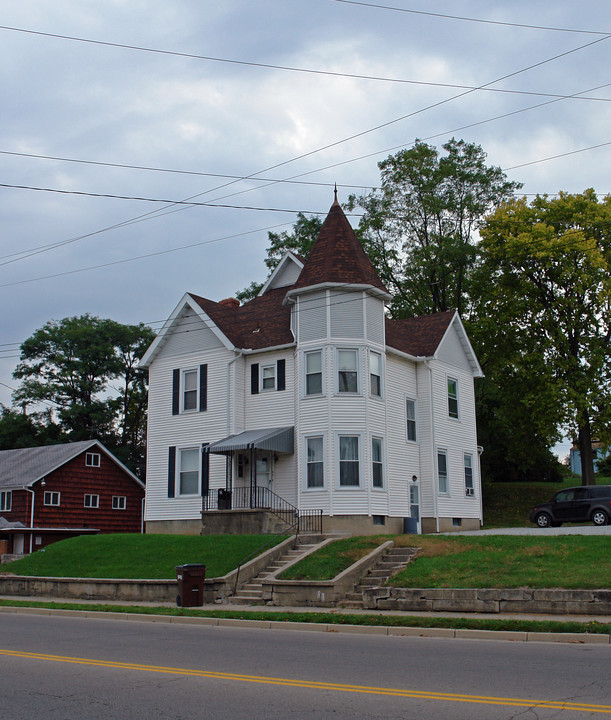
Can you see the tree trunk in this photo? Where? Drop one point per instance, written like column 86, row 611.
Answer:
column 585, row 452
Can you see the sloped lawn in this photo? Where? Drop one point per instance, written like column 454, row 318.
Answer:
column 130, row 556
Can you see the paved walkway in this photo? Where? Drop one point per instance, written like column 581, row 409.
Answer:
column 541, row 532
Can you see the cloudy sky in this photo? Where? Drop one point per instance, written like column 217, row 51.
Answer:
column 253, row 109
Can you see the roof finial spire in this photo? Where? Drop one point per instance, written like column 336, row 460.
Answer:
column 335, row 202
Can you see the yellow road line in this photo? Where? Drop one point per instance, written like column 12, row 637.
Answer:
column 314, row 685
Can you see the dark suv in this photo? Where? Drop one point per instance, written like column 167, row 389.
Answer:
column 578, row 504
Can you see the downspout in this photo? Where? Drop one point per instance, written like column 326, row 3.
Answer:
column 229, row 364
column 433, row 446
column 31, row 519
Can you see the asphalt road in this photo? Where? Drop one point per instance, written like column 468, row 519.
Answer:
column 89, row 669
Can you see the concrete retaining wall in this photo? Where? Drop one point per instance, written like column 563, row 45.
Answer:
column 482, row 600
column 319, row 593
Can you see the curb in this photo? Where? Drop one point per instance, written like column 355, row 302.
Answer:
column 392, row 631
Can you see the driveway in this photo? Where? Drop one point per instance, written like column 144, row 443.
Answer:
column 542, row 532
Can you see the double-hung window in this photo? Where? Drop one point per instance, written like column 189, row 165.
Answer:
column 410, row 414
column 92, row 501
column 189, row 390
column 6, row 500
column 119, row 502
column 442, row 471
column 375, row 374
column 377, row 464
column 188, row 474
column 469, row 488
column 453, row 398
column 268, row 377
column 347, row 371
column 313, row 373
column 349, row 461
column 315, row 463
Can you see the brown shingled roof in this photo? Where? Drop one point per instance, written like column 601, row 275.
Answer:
column 337, row 256
column 262, row 322
column 418, row 336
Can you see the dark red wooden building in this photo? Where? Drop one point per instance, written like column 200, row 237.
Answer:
column 58, row 491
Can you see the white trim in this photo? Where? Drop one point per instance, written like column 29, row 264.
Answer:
column 413, row 400
column 186, row 302
column 359, row 371
column 382, row 462
column 338, row 461
column 306, row 438
column 94, row 501
column 444, row 452
column 179, row 452
column 286, row 258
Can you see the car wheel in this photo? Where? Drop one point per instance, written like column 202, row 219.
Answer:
column 599, row 517
column 178, row 601
column 543, row 520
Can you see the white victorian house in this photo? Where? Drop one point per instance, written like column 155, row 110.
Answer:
column 308, row 402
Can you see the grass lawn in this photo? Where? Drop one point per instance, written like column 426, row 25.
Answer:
column 329, row 561
column 575, row 561
column 432, row 621
column 131, row 556
column 569, row 561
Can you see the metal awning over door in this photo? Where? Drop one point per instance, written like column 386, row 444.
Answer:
column 280, row 440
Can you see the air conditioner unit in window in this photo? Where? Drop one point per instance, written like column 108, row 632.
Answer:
column 470, row 492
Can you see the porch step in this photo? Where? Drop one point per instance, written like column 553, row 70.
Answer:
column 251, row 593
column 393, row 560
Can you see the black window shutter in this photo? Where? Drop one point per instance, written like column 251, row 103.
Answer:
column 254, row 378
column 175, row 392
column 203, row 387
column 280, row 374
column 205, row 471
column 172, row 472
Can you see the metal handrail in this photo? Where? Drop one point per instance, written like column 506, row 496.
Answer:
column 243, row 498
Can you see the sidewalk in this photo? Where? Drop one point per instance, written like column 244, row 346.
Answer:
column 523, row 636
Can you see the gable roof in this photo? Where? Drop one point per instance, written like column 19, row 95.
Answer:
column 337, row 257
column 421, row 337
column 418, row 336
column 23, row 467
column 260, row 323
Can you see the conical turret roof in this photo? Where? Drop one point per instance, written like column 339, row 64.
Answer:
column 337, row 257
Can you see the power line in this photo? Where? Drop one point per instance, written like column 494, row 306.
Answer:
column 172, row 208
column 173, row 171
column 286, row 68
column 476, row 20
column 157, row 200
column 250, row 207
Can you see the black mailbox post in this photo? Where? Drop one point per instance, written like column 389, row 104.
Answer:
column 190, row 580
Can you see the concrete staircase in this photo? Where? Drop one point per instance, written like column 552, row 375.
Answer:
column 393, row 560
column 251, row 593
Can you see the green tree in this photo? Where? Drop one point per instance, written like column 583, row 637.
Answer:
column 300, row 241
column 544, row 313
column 18, row 430
column 87, row 367
column 419, row 227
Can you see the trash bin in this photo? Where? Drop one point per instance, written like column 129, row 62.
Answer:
column 190, row 579
column 410, row 525
column 224, row 500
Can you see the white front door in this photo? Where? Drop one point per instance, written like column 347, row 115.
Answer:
column 263, row 471
column 18, row 544
column 414, row 503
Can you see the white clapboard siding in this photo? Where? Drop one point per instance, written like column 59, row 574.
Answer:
column 310, row 317
column 347, row 315
column 191, row 429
